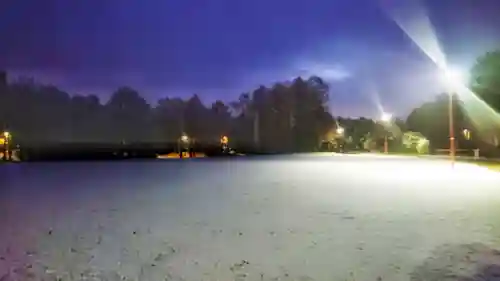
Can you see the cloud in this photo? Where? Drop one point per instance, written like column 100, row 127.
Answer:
column 329, row 72
column 336, row 73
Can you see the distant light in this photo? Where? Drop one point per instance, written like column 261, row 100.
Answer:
column 453, row 78
column 224, row 140
column 6, row 134
column 386, row 117
column 466, row 133
column 184, row 138
column 340, row 130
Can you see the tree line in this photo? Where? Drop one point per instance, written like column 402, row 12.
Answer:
column 286, row 117
column 475, row 110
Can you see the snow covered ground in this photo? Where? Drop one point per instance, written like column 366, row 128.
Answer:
column 299, row 217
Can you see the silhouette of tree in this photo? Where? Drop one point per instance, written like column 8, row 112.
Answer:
column 357, row 129
column 85, row 115
column 282, row 121
column 431, row 120
column 195, row 117
column 485, row 79
column 285, row 117
column 220, row 119
column 168, row 117
column 244, row 110
column 485, row 83
column 127, row 112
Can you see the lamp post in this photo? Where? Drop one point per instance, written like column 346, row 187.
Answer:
column 7, row 136
column 453, row 79
column 386, row 119
column 224, row 141
column 340, row 131
column 183, row 144
column 340, row 138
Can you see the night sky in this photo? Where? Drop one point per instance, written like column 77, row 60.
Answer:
column 220, row 48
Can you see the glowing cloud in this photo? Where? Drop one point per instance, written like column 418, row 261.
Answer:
column 329, row 72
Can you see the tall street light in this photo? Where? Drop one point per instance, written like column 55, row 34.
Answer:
column 183, row 144
column 7, row 136
column 453, row 79
column 340, row 131
column 386, row 119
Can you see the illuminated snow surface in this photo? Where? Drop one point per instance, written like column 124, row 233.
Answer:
column 299, row 217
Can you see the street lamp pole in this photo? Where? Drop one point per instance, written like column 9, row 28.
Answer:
column 7, row 154
column 451, row 129
column 454, row 79
column 386, row 120
column 386, row 144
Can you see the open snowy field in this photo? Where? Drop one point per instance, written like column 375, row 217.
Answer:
column 299, row 217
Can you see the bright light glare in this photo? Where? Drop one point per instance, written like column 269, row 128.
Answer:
column 413, row 20
column 453, row 77
column 340, row 130
column 386, row 117
column 387, row 180
column 184, row 138
column 6, row 135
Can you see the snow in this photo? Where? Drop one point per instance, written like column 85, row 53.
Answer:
column 299, row 217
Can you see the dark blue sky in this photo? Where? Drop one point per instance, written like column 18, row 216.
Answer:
column 220, row 48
